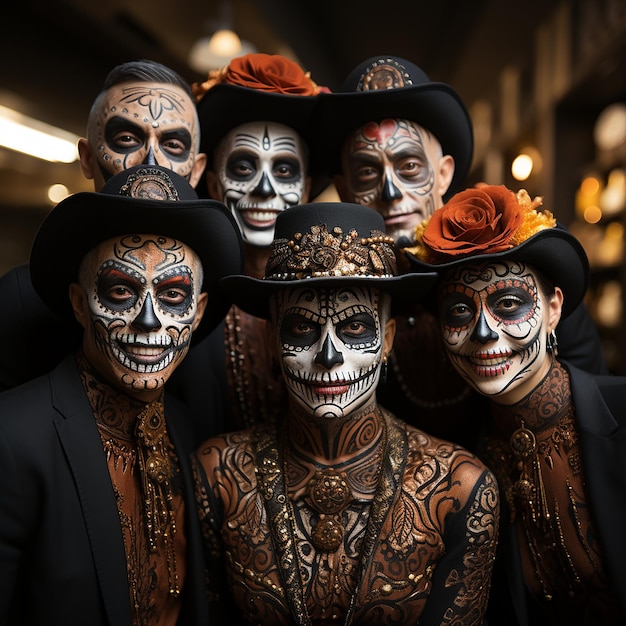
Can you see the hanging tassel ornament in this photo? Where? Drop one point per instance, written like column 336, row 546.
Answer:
column 156, row 472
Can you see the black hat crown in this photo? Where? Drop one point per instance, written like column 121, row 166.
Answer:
column 140, row 200
column 150, row 182
column 384, row 72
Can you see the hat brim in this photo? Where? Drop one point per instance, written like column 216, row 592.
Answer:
column 434, row 106
column 84, row 220
column 253, row 294
column 554, row 252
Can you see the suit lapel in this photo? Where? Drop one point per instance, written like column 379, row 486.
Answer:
column 603, row 445
column 195, row 606
column 79, row 437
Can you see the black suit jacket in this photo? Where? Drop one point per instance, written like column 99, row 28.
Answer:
column 600, row 413
column 62, row 557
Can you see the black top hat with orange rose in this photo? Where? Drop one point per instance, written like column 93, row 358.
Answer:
column 254, row 87
column 492, row 223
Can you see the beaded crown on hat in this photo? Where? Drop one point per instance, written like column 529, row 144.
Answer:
column 323, row 253
column 384, row 73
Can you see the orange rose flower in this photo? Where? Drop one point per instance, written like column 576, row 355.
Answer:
column 265, row 72
column 475, row 220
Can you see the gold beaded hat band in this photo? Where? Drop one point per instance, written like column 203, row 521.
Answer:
column 328, row 244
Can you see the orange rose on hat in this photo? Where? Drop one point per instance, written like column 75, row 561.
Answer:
column 475, row 220
column 491, row 223
column 489, row 219
column 272, row 73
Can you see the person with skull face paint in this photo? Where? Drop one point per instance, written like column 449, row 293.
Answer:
column 144, row 114
column 254, row 117
column 401, row 143
column 95, row 520
column 555, row 434
column 338, row 512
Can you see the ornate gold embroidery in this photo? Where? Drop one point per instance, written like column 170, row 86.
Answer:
column 330, row 495
column 539, row 472
column 281, row 515
column 323, row 253
column 134, row 436
column 155, row 454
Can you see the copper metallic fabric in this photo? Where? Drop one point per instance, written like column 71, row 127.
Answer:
column 379, row 555
column 144, row 473
column 534, row 451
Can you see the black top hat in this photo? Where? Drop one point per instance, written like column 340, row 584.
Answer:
column 388, row 87
column 225, row 106
column 251, row 88
column 141, row 200
column 328, row 244
column 549, row 249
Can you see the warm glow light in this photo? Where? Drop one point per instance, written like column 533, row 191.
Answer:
column 590, row 186
column 610, row 129
column 522, row 166
column 35, row 138
column 592, row 214
column 203, row 56
column 58, row 192
column 225, row 43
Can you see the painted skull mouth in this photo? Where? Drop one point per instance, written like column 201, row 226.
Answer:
column 332, row 385
column 144, row 356
column 256, row 217
column 491, row 363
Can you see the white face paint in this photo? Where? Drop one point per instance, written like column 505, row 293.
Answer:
column 142, row 294
column 261, row 168
column 495, row 322
column 144, row 123
column 331, row 346
column 393, row 166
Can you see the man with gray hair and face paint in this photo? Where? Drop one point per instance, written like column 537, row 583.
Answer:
column 337, row 511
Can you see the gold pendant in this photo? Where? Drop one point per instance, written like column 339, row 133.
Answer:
column 330, row 494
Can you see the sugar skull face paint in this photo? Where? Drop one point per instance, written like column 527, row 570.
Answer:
column 142, row 295
column 495, row 321
column 261, row 171
column 145, row 123
column 392, row 166
column 331, row 346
